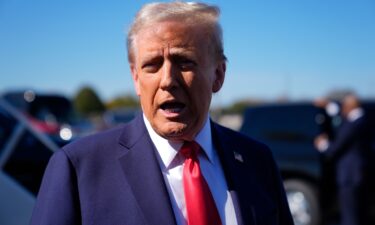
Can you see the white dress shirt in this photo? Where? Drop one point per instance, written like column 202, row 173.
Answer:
column 355, row 114
column 171, row 164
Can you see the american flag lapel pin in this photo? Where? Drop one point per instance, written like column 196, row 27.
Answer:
column 238, row 157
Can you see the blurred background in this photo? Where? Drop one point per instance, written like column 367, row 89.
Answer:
column 64, row 74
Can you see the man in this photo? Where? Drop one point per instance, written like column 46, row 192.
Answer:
column 171, row 165
column 349, row 150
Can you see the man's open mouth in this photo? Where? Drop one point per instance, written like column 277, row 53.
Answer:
column 172, row 107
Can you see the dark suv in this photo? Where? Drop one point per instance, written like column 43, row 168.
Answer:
column 289, row 130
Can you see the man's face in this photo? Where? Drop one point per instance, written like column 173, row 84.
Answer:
column 175, row 74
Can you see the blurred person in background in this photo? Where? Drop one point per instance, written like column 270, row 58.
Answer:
column 349, row 150
column 171, row 164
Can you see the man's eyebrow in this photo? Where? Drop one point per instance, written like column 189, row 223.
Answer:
column 182, row 52
column 150, row 56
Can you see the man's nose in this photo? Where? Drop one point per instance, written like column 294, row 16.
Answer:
column 169, row 76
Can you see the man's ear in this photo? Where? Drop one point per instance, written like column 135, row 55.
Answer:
column 134, row 72
column 219, row 76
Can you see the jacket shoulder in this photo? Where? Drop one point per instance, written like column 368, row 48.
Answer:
column 95, row 141
column 106, row 140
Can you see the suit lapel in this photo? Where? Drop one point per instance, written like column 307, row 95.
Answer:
column 143, row 173
column 234, row 165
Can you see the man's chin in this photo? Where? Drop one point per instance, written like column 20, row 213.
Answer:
column 174, row 131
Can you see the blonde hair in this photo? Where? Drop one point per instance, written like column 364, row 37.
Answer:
column 189, row 13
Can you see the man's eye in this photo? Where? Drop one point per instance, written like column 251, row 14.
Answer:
column 186, row 64
column 151, row 67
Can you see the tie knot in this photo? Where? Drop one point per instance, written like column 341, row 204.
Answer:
column 190, row 149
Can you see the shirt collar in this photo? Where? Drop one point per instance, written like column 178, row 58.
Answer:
column 355, row 114
column 204, row 139
column 168, row 149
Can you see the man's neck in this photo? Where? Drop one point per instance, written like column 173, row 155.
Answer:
column 168, row 149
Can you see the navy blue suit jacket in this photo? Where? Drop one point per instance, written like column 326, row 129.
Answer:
column 350, row 151
column 113, row 178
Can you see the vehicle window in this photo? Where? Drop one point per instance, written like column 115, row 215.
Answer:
column 287, row 123
column 52, row 109
column 7, row 125
column 28, row 161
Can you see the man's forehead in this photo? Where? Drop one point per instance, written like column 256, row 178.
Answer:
column 171, row 51
column 155, row 40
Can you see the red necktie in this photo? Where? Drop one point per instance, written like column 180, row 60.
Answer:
column 200, row 205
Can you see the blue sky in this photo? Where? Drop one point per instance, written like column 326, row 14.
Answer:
column 296, row 48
